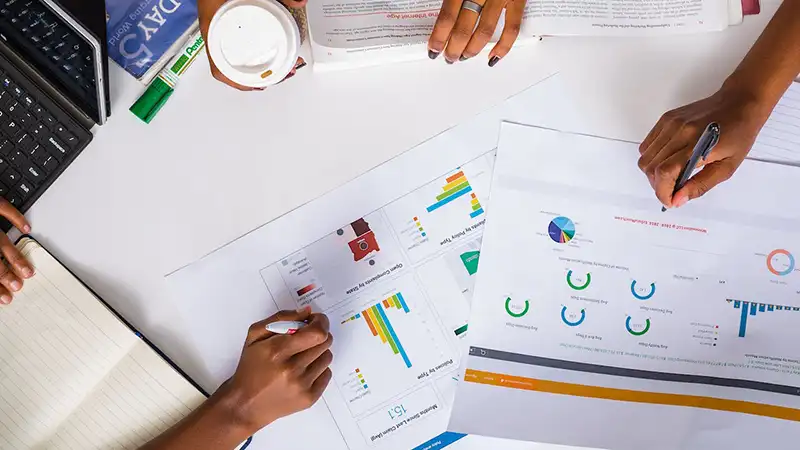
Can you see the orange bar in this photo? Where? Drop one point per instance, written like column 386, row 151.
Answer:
column 625, row 395
column 453, row 177
column 374, row 321
column 386, row 304
column 369, row 323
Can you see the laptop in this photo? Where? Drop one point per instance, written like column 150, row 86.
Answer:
column 53, row 90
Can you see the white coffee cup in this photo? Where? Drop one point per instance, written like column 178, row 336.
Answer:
column 254, row 43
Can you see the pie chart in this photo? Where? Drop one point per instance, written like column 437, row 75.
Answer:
column 561, row 230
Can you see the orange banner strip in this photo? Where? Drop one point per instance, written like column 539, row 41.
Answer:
column 625, row 395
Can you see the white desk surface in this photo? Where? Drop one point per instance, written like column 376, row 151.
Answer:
column 144, row 200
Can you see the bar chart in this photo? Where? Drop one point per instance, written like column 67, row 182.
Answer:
column 753, row 308
column 381, row 327
column 457, row 186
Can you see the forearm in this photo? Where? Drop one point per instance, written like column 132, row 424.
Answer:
column 774, row 61
column 212, row 426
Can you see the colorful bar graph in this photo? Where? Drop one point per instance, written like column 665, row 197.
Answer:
column 379, row 324
column 753, row 308
column 456, row 186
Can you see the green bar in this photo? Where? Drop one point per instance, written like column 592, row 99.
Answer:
column 452, row 191
column 476, row 206
column 461, row 330
column 385, row 330
column 179, row 64
column 396, row 302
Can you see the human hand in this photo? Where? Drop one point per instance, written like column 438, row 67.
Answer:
column 455, row 33
column 669, row 145
column 279, row 375
column 15, row 268
column 205, row 12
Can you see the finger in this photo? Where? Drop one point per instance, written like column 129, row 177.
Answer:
column 670, row 134
column 306, row 357
column 515, row 9
column 9, row 280
column 258, row 331
column 317, row 367
column 705, row 180
column 295, row 3
column 21, row 267
column 444, row 25
column 487, row 24
column 5, row 296
column 662, row 123
column 315, row 333
column 319, row 385
column 661, row 156
column 667, row 173
column 13, row 215
column 461, row 34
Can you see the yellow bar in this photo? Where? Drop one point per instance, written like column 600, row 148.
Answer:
column 475, row 201
column 375, row 321
column 454, row 183
column 625, row 395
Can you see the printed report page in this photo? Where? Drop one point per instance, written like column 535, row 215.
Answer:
column 637, row 327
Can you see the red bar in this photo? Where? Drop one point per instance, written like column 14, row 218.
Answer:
column 306, row 290
column 450, row 179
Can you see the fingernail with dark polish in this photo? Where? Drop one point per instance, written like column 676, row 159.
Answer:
column 301, row 65
column 448, row 61
column 463, row 58
column 433, row 54
column 493, row 61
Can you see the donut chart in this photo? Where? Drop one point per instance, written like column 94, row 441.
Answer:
column 517, row 314
column 572, row 323
column 780, row 262
column 637, row 333
column 643, row 296
column 579, row 287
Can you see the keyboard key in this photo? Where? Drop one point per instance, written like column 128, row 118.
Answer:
column 14, row 199
column 9, row 127
column 24, row 141
column 17, row 159
column 10, row 177
column 33, row 173
column 44, row 116
column 3, row 164
column 37, row 130
column 27, row 100
column 38, row 154
column 5, row 147
column 17, row 91
column 50, row 164
column 3, row 190
column 63, row 134
column 24, row 190
column 55, row 147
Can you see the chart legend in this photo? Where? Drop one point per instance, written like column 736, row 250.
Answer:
column 753, row 308
column 457, row 186
column 780, row 262
column 561, row 230
column 380, row 326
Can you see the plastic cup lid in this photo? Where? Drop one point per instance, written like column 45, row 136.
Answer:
column 254, row 43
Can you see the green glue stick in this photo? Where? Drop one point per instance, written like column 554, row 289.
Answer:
column 156, row 95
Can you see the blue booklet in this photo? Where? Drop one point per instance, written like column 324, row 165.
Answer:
column 140, row 32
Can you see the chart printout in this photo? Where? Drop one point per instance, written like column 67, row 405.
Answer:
column 600, row 321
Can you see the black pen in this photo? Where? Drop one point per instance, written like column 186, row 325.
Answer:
column 708, row 140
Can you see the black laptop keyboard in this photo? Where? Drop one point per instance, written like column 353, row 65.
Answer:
column 54, row 39
column 38, row 140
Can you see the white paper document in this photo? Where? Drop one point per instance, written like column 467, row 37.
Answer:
column 352, row 33
column 599, row 321
column 780, row 138
column 391, row 258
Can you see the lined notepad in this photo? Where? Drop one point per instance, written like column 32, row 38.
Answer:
column 779, row 140
column 73, row 376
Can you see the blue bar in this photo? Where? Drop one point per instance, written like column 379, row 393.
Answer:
column 770, row 307
column 762, row 307
column 440, row 441
column 358, row 315
column 743, row 322
column 447, row 200
column 753, row 307
column 779, row 308
column 737, row 304
column 402, row 301
column 476, row 213
column 393, row 335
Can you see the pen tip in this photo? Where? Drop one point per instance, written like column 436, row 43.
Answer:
column 663, row 209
